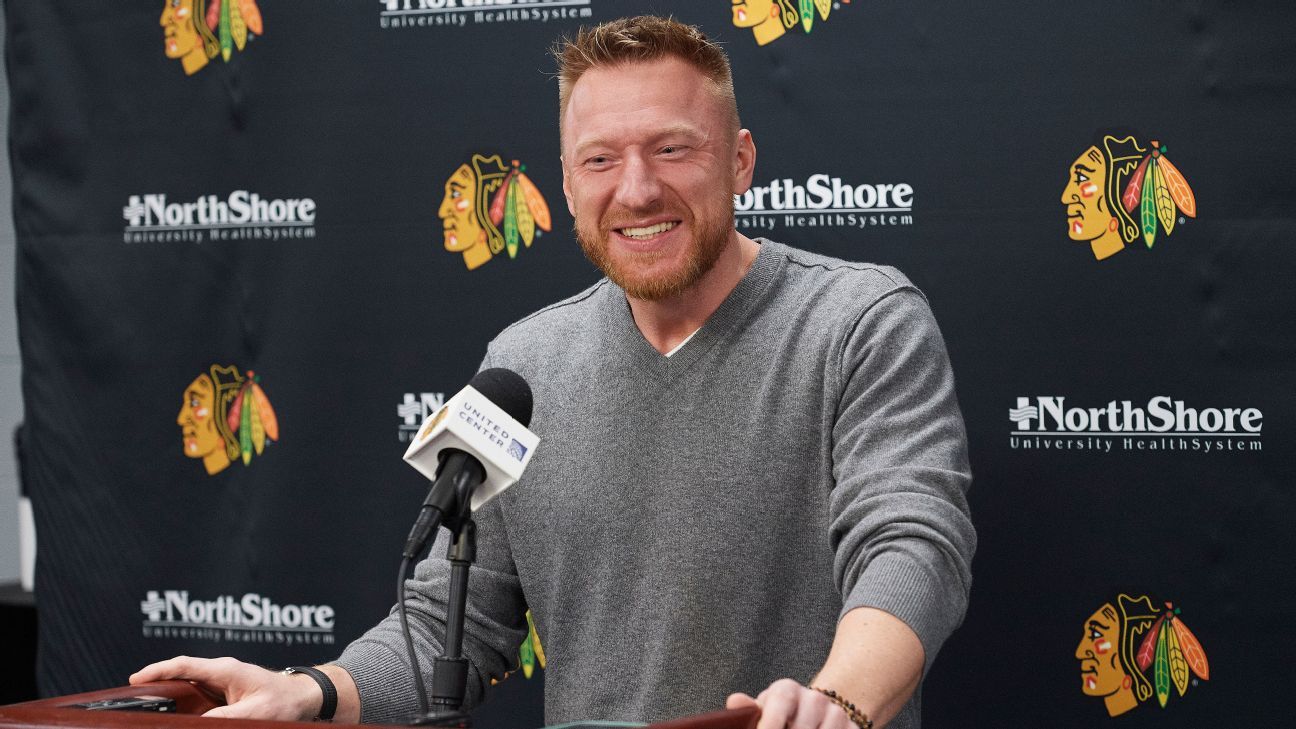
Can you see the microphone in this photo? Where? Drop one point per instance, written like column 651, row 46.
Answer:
column 472, row 448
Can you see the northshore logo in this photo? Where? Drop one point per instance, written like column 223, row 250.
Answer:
column 1163, row 423
column 458, row 13
column 241, row 215
column 414, row 409
column 252, row 618
column 823, row 201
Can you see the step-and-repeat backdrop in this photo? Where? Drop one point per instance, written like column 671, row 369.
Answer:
column 243, row 280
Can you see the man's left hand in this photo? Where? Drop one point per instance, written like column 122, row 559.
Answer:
column 787, row 703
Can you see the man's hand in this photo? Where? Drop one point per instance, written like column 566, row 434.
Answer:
column 788, row 703
column 250, row 692
column 876, row 662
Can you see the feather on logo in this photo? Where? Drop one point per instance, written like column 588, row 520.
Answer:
column 1123, row 642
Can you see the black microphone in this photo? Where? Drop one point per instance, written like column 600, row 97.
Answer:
column 460, row 470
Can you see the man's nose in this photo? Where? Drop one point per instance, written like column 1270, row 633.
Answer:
column 1083, row 650
column 638, row 187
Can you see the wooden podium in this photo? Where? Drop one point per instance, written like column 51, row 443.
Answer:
column 191, row 702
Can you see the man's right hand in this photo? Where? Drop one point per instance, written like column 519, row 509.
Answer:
column 252, row 692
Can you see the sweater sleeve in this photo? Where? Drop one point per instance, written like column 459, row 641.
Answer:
column 900, row 523
column 494, row 626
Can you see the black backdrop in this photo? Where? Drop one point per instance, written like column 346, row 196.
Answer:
column 356, row 319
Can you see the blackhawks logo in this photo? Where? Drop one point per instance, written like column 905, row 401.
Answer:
column 197, row 31
column 530, row 653
column 770, row 19
column 225, row 417
column 489, row 208
column 1132, row 650
column 1120, row 191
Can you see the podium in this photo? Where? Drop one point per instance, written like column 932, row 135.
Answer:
column 191, row 701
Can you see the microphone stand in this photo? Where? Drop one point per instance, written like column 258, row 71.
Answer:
column 450, row 671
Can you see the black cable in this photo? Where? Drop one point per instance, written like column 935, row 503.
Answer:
column 419, row 690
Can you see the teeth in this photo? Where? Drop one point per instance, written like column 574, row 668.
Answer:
column 647, row 232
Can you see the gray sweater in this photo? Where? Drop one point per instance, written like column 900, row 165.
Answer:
column 696, row 525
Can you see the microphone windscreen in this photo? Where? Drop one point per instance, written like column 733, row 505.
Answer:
column 508, row 390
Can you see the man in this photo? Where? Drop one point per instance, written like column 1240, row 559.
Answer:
column 752, row 466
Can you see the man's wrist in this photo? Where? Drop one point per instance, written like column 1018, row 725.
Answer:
column 857, row 717
column 319, row 703
column 348, row 701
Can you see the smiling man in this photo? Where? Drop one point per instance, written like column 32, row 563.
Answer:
column 751, row 485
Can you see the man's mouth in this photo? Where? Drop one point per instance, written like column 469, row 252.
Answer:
column 648, row 231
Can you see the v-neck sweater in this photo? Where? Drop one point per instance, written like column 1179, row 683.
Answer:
column 695, row 525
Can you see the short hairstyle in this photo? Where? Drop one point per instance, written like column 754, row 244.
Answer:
column 641, row 39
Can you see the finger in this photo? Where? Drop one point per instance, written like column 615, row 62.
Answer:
column 774, row 715
column 170, row 668
column 246, row 710
column 837, row 718
column 213, row 672
column 777, row 708
column 811, row 711
column 829, row 714
column 738, row 701
column 255, row 708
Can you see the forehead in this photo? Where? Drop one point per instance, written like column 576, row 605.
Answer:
column 1090, row 158
column 1106, row 615
column 201, row 385
column 639, row 96
column 461, row 177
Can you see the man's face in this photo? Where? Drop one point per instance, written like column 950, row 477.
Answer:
column 650, row 168
column 747, row 13
column 456, row 211
column 1100, row 669
column 1087, row 214
column 196, row 419
column 177, row 27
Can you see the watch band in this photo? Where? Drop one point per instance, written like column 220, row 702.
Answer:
column 326, row 685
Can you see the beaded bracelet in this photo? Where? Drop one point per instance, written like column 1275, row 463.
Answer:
column 857, row 717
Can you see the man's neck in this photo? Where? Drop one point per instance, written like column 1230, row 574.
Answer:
column 667, row 322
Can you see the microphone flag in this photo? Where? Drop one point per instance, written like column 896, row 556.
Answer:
column 472, row 423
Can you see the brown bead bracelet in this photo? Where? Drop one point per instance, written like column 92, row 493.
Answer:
column 857, row 717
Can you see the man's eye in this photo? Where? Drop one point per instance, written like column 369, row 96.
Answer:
column 1081, row 178
column 1094, row 634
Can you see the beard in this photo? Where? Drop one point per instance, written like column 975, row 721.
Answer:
column 709, row 240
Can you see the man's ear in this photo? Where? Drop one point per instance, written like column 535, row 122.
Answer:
column 744, row 161
column 571, row 206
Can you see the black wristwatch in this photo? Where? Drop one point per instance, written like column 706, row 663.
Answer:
column 326, row 685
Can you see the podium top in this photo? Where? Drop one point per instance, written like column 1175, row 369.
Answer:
column 191, row 702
